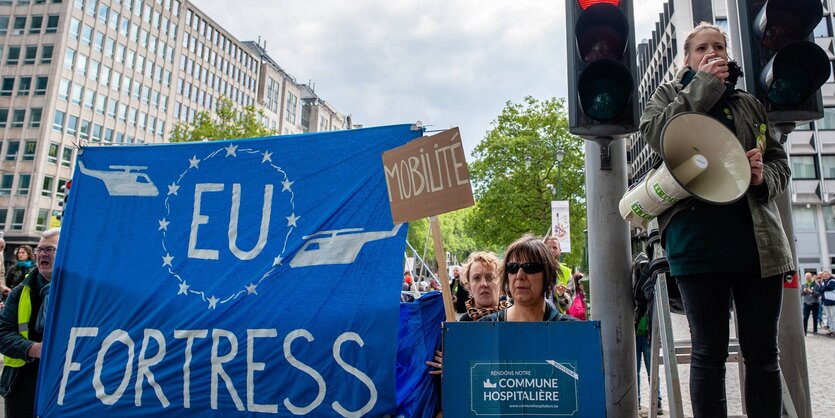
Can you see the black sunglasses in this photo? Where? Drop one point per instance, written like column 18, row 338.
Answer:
column 531, row 267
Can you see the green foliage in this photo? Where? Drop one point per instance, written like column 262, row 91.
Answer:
column 512, row 199
column 457, row 240
column 227, row 123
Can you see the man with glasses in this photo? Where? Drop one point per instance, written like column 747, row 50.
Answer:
column 20, row 333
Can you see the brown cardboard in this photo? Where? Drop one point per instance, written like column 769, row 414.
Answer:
column 428, row 176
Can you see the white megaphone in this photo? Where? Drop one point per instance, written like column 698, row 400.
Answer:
column 702, row 158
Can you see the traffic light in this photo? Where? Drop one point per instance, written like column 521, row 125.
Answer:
column 784, row 68
column 62, row 204
column 601, row 68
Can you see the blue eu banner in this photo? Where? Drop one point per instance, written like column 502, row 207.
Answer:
column 228, row 278
column 523, row 369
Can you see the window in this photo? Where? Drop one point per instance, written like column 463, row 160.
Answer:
column 66, row 157
column 19, row 25
column 81, row 64
column 827, row 166
column 52, row 155
column 4, row 25
column 58, row 121
column 96, row 136
column 77, row 93
column 18, row 215
column 23, row 181
column 7, row 86
column 13, row 56
column 46, row 186
column 40, row 85
column 98, row 41
column 18, row 118
column 3, row 215
column 43, row 216
column 29, row 152
column 60, row 191
column 75, row 28
column 35, row 116
column 52, row 23
column 89, row 99
column 292, row 102
column 31, row 55
column 111, row 108
column 108, row 135
column 4, row 117
column 46, row 54
column 36, row 24
column 84, row 131
column 24, row 86
column 93, row 74
column 64, row 89
column 11, row 152
column 101, row 101
column 69, row 58
column 803, row 167
column 105, row 75
column 72, row 125
column 6, row 184
column 86, row 34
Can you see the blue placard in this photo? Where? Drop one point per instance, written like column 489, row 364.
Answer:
column 523, row 369
column 227, row 278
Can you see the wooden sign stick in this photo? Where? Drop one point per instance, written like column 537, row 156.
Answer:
column 440, row 257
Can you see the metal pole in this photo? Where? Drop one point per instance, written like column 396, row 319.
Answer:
column 559, row 179
column 609, row 272
column 790, row 332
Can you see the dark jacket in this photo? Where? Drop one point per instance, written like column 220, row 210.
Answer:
column 828, row 286
column 16, row 274
column 700, row 95
column 13, row 344
column 551, row 315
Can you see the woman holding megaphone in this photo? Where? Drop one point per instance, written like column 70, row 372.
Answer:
column 737, row 249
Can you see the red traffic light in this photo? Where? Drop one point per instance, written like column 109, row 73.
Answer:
column 602, row 31
column 584, row 4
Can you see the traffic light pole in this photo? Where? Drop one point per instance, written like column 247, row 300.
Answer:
column 791, row 341
column 609, row 273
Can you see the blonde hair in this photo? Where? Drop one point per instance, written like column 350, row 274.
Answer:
column 699, row 28
column 487, row 258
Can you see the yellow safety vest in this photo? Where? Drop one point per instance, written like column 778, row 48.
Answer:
column 24, row 313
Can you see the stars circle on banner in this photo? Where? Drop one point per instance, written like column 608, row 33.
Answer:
column 169, row 261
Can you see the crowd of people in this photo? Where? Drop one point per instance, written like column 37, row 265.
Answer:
column 818, row 294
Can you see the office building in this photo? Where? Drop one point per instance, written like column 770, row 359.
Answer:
column 80, row 73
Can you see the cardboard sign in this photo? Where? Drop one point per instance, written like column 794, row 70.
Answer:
column 523, row 368
column 427, row 177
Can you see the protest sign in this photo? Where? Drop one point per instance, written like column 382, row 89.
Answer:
column 561, row 224
column 523, row 369
column 227, row 278
column 428, row 177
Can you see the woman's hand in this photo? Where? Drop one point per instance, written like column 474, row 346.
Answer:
column 714, row 65
column 438, row 364
column 756, row 160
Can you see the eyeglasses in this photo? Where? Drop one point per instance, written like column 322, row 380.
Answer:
column 45, row 250
column 531, row 267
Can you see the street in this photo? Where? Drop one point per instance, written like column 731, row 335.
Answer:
column 820, row 355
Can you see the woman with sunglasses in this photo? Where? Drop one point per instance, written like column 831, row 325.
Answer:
column 527, row 275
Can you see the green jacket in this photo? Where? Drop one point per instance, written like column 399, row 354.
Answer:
column 749, row 118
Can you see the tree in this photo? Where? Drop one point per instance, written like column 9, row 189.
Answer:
column 512, row 199
column 458, row 242
column 227, row 123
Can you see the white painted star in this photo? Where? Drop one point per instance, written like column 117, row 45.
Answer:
column 172, row 189
column 291, row 220
column 192, row 163
column 267, row 157
column 166, row 261
column 213, row 302
column 277, row 260
column 251, row 289
column 286, row 183
column 163, row 225
column 230, row 150
column 183, row 289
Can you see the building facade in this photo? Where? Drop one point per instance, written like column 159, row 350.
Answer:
column 811, row 147
column 80, row 73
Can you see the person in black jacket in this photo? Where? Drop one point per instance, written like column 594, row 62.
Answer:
column 20, row 343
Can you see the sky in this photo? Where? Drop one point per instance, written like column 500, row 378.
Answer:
column 445, row 63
